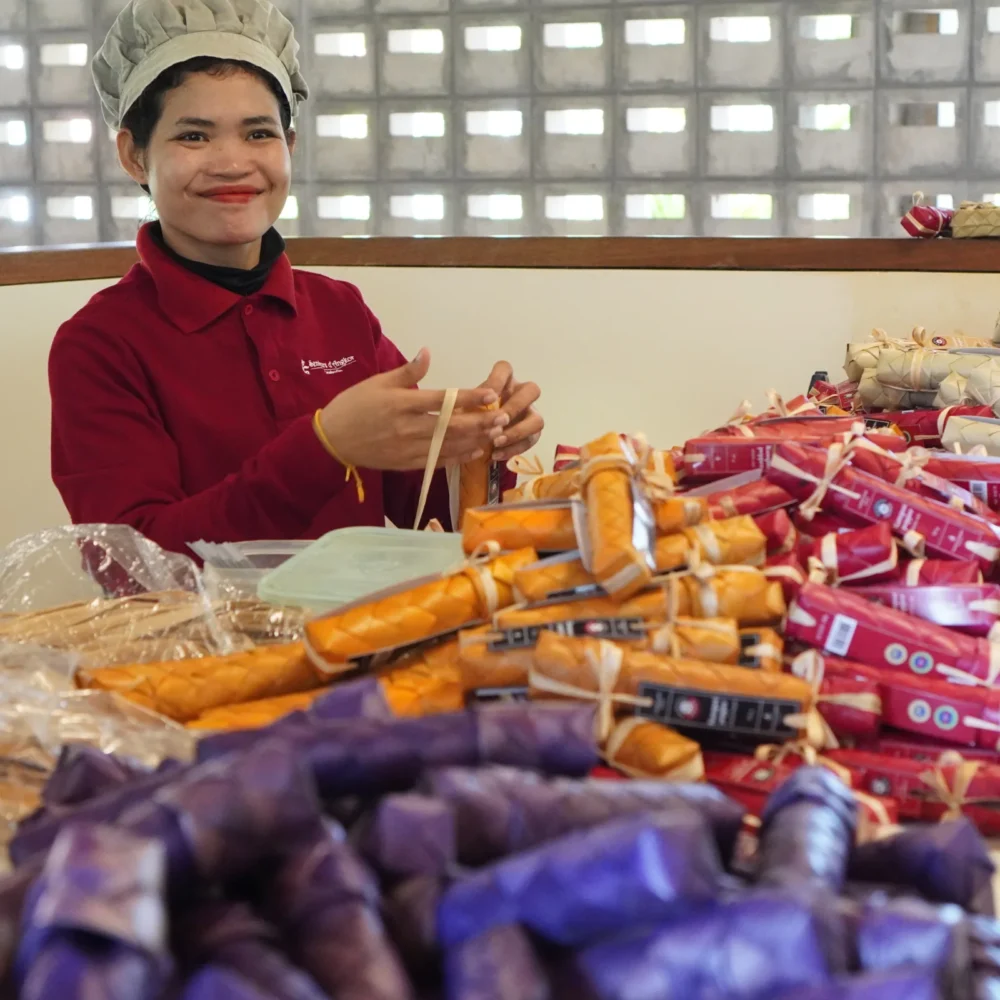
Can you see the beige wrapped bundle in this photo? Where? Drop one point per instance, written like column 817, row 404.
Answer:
column 924, row 371
column 946, row 342
column 965, row 433
column 864, row 356
column 953, row 391
column 873, row 395
column 983, row 385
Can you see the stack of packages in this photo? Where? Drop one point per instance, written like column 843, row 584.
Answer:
column 466, row 856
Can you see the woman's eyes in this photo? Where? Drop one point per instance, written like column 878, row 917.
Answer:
column 256, row 134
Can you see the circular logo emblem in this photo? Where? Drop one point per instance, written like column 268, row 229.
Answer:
column 939, row 342
column 880, row 786
column 921, row 663
column 882, row 509
column 595, row 628
column 919, row 711
column 946, row 717
column 688, row 708
column 762, row 774
column 896, row 654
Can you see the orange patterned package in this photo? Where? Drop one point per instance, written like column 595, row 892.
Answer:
column 740, row 592
column 478, row 483
column 689, row 695
column 559, row 576
column 487, row 665
column 619, row 521
column 676, row 513
column 425, row 682
column 184, row 689
column 731, row 542
column 543, row 526
column 762, row 649
column 713, row 639
column 255, row 714
column 361, row 634
column 644, row 749
column 539, row 485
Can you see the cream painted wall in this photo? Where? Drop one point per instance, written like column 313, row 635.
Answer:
column 667, row 352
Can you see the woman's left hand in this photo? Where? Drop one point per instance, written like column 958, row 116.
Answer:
column 524, row 424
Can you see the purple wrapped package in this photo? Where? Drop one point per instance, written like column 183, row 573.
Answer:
column 220, row 983
column 354, row 701
column 230, row 935
column 410, row 911
column 748, row 948
column 551, row 738
column 945, row 863
column 912, row 932
column 13, row 893
column 326, row 903
column 807, row 832
column 95, row 921
column 410, row 835
column 502, row 810
column 500, row 964
column 83, row 772
column 907, row 983
column 591, row 882
column 37, row 832
column 984, row 937
column 219, row 818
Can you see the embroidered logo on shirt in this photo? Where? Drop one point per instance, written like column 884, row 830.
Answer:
column 327, row 367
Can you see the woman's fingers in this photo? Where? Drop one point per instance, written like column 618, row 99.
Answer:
column 500, row 378
column 522, row 398
column 519, row 437
column 432, row 400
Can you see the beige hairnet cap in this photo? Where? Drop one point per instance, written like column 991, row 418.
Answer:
column 151, row 36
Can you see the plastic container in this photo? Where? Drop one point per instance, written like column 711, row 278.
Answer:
column 233, row 571
column 350, row 563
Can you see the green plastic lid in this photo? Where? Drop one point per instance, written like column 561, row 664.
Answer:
column 350, row 563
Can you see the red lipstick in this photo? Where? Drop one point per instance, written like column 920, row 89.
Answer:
column 232, row 195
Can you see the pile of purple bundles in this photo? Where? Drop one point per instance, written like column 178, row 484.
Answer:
column 470, row 857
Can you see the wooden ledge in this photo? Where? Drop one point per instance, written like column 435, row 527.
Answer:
column 83, row 263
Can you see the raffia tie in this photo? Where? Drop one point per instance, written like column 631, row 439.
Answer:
column 605, row 665
column 702, row 573
column 476, row 567
column 656, row 482
column 954, row 793
column 837, row 457
column 781, row 407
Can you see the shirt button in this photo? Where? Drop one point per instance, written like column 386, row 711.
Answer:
column 274, row 375
column 248, row 310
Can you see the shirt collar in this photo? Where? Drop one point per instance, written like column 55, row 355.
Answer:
column 190, row 302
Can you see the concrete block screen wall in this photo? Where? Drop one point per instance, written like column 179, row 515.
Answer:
column 556, row 117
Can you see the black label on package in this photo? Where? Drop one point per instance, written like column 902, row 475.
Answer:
column 526, row 637
column 737, row 715
column 747, row 641
column 586, row 590
column 494, row 694
column 493, row 487
column 872, row 424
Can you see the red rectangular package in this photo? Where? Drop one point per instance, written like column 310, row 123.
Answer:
column 782, row 536
column 937, row 572
column 929, row 791
column 841, row 394
column 849, row 694
column 846, row 625
column 971, row 608
column 821, row 478
column 788, row 570
column 751, row 781
column 861, row 554
column 925, row 427
column 748, row 498
column 894, row 743
column 980, row 475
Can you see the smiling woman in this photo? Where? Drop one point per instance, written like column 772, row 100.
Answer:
column 215, row 393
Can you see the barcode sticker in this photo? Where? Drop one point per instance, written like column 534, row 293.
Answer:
column 842, row 632
column 978, row 489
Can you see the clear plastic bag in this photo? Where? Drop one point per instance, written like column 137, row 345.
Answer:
column 113, row 597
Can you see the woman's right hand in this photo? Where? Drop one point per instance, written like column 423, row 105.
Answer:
column 386, row 423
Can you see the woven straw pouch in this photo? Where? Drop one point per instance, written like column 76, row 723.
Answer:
column 976, row 220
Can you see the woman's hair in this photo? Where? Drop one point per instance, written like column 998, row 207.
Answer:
column 143, row 117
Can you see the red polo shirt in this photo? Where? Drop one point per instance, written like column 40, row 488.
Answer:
column 186, row 411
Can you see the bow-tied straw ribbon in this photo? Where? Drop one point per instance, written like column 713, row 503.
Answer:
column 744, row 410
column 692, row 769
column 605, row 665
column 702, row 573
column 811, row 667
column 954, row 793
column 651, row 470
column 781, row 407
column 528, row 468
column 837, row 458
column 477, row 567
column 776, row 753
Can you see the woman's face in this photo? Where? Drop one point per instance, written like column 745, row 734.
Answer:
column 218, row 165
